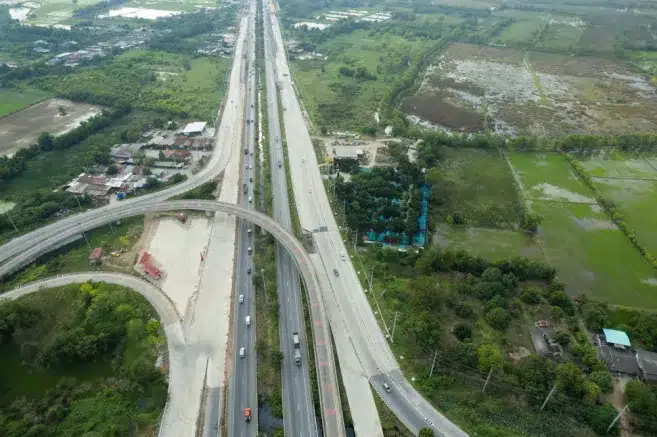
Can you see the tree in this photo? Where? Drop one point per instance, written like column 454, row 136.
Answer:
column 570, row 380
column 488, row 357
column 562, row 337
column 112, row 170
column 603, row 379
column 465, row 310
column 46, row 141
column 492, row 274
column 498, row 318
column 462, row 331
column 531, row 223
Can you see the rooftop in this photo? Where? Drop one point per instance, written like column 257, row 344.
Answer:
column 648, row 363
column 616, row 337
column 195, row 127
column 96, row 254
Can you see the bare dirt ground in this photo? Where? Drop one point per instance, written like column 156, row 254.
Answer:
column 519, row 92
column 21, row 129
column 174, row 242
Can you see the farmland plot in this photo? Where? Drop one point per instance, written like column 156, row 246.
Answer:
column 532, row 93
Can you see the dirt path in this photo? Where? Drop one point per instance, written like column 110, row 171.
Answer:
column 617, row 399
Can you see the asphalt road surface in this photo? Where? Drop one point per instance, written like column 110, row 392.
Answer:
column 362, row 347
column 298, row 412
column 243, row 391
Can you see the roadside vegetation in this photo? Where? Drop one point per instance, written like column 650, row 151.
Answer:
column 80, row 359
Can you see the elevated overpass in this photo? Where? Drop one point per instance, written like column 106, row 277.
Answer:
column 36, row 245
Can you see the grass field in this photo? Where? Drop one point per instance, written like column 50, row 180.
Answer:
column 591, row 255
column 549, row 177
column 488, row 243
column 520, row 32
column 561, row 37
column 478, row 185
column 343, row 102
column 14, row 100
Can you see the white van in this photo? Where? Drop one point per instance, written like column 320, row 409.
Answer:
column 242, row 352
column 250, row 199
column 248, row 320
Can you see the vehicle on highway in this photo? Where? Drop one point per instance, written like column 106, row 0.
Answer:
column 247, row 414
column 297, row 357
column 248, row 320
column 246, row 150
column 248, row 231
column 279, row 163
column 250, row 166
column 295, row 339
column 245, row 189
column 276, row 139
column 342, row 256
column 309, row 190
column 250, row 199
column 386, row 387
column 241, row 298
column 242, row 352
column 335, row 272
column 303, row 159
column 250, row 179
column 248, row 271
column 249, row 249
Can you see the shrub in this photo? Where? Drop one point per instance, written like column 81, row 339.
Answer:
column 498, row 318
column 562, row 338
column 462, row 331
column 531, row 296
column 465, row 310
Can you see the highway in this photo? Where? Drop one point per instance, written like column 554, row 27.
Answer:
column 243, row 391
column 364, row 354
column 298, row 412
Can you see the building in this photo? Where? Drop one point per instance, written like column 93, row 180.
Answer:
column 125, row 152
column 195, row 128
column 616, row 351
column 348, row 152
column 92, row 185
column 177, row 155
column 648, row 364
column 147, row 266
column 96, row 256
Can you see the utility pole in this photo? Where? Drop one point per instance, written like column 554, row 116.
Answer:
column 549, row 396
column 487, row 379
column 617, row 417
column 11, row 221
column 394, row 325
column 433, row 363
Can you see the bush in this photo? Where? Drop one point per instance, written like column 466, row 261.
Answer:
column 603, row 379
column 498, row 318
column 462, row 331
column 465, row 310
column 562, row 338
column 530, row 296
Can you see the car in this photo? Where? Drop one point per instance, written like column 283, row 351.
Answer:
column 248, row 271
column 279, row 164
column 250, row 199
column 309, row 190
column 250, row 179
column 249, row 250
column 342, row 256
column 250, row 166
column 246, row 166
column 386, row 387
column 248, row 231
column 335, row 272
column 247, row 414
column 247, row 320
column 241, row 298
column 242, row 352
column 303, row 159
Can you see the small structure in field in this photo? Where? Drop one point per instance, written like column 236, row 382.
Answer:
column 194, row 129
column 96, row 256
column 147, row 265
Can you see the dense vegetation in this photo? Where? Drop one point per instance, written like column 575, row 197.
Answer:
column 71, row 331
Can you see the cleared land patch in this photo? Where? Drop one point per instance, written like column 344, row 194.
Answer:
column 591, row 255
column 532, row 93
column 21, row 129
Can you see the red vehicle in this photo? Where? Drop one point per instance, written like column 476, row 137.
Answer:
column 247, row 414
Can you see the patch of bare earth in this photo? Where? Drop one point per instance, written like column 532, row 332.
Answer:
column 56, row 116
column 532, row 93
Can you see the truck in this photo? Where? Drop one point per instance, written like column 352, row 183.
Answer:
column 295, row 339
column 245, row 188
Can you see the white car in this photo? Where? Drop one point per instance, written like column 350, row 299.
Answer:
column 342, row 256
column 241, row 298
column 250, row 199
column 248, row 320
column 242, row 352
